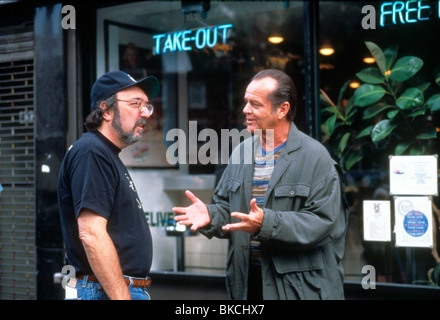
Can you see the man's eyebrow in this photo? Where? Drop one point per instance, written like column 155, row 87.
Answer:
column 252, row 101
column 138, row 99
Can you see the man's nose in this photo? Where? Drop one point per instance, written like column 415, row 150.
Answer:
column 145, row 113
column 247, row 109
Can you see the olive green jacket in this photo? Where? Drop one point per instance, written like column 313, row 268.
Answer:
column 305, row 219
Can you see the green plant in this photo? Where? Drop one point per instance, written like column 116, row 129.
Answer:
column 388, row 114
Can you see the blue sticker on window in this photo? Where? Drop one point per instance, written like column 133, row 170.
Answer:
column 415, row 223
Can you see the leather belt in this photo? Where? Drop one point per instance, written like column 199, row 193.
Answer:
column 136, row 282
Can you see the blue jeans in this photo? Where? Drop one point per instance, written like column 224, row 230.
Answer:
column 87, row 290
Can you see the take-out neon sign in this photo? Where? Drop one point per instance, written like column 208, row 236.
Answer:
column 187, row 40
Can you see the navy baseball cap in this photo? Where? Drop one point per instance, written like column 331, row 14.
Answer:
column 114, row 81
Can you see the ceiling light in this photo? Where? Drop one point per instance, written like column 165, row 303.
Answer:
column 354, row 84
column 369, row 60
column 327, row 51
column 276, row 39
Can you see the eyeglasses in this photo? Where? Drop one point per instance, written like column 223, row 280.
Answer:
column 139, row 105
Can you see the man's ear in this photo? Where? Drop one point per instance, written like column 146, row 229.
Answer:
column 107, row 112
column 283, row 110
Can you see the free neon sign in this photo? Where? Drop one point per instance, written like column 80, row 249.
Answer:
column 187, row 40
column 400, row 12
column 405, row 12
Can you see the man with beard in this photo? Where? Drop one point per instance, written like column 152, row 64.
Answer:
column 107, row 237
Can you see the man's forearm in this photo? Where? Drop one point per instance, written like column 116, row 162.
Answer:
column 104, row 261
column 102, row 255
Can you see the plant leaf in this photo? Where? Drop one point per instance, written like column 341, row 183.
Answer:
column 368, row 94
column 419, row 112
column 434, row 102
column 342, row 92
column 326, row 100
column 349, row 107
column 390, row 55
column 352, row 159
column 343, row 142
column 428, row 133
column 437, row 78
column 330, row 110
column 423, row 86
column 401, row 148
column 417, row 150
column 371, row 75
column 412, row 97
column 330, row 124
column 405, row 68
column 365, row 132
column 377, row 54
column 382, row 130
column 372, row 111
column 391, row 114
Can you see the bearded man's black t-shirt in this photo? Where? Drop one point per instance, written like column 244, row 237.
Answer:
column 93, row 176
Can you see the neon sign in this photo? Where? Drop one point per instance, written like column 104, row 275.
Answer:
column 186, row 40
column 405, row 12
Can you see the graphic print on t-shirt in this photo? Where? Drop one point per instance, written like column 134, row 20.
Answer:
column 132, row 187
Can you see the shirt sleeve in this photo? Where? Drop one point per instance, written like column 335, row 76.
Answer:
column 94, row 183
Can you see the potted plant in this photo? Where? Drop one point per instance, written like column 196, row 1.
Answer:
column 387, row 115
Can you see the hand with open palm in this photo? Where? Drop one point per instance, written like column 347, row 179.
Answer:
column 250, row 222
column 197, row 216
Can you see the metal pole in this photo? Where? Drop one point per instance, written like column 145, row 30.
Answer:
column 312, row 97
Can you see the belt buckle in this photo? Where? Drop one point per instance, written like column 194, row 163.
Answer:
column 148, row 282
column 142, row 282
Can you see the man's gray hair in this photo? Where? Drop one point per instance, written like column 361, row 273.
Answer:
column 286, row 90
column 94, row 120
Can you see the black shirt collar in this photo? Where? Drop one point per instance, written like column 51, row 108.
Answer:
column 107, row 142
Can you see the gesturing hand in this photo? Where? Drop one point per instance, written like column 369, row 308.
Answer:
column 195, row 215
column 251, row 222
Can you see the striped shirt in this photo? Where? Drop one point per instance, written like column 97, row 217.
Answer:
column 264, row 164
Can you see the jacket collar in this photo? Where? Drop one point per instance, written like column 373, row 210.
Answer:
column 294, row 142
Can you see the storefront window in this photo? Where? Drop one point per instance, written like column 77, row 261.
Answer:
column 399, row 29
column 204, row 54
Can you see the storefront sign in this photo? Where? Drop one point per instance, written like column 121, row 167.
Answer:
column 377, row 220
column 413, row 217
column 159, row 219
column 413, row 175
column 401, row 12
column 187, row 40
